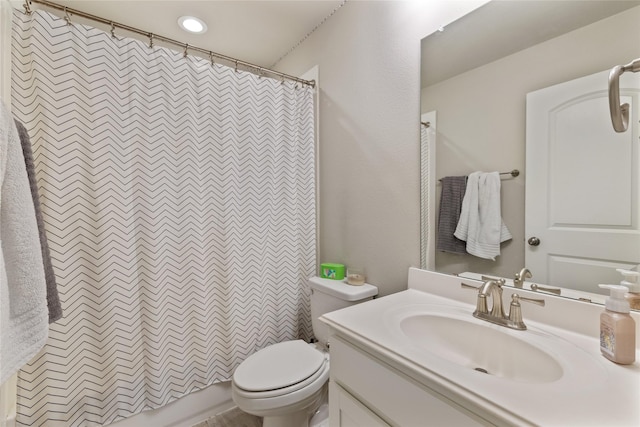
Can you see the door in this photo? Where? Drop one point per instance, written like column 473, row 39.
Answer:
column 349, row 412
column 582, row 191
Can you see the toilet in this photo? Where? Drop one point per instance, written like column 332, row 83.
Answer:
column 286, row 383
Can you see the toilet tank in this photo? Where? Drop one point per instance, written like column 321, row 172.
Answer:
column 329, row 295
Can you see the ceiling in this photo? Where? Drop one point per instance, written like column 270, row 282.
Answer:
column 501, row 28
column 263, row 31
column 259, row 31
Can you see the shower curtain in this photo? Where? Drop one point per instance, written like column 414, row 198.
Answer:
column 427, row 243
column 179, row 201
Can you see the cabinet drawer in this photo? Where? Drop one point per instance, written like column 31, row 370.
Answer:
column 392, row 395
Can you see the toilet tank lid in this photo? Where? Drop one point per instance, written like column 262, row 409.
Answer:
column 342, row 290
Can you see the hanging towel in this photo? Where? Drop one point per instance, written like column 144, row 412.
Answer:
column 453, row 189
column 481, row 224
column 53, row 301
column 24, row 316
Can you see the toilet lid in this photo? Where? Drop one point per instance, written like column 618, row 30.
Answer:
column 278, row 366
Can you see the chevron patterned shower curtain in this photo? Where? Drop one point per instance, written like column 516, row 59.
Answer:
column 179, row 204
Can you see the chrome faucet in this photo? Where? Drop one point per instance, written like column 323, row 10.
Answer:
column 493, row 288
column 518, row 281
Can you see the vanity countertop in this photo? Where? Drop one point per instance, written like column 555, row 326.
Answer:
column 590, row 391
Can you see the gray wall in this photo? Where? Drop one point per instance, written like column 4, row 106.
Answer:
column 368, row 55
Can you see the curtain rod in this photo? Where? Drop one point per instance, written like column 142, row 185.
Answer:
column 69, row 11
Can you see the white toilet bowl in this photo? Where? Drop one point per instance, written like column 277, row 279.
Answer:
column 285, row 383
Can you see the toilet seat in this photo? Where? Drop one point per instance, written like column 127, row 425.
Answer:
column 280, row 369
column 275, row 403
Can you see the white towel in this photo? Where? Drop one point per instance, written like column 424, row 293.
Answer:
column 481, row 224
column 23, row 298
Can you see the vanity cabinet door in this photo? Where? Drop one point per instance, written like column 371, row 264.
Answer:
column 350, row 412
column 380, row 389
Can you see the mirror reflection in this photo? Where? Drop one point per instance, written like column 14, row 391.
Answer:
column 486, row 83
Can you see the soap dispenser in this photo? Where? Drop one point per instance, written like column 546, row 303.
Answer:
column 617, row 328
column 631, row 281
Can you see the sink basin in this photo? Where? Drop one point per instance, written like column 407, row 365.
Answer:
column 487, row 349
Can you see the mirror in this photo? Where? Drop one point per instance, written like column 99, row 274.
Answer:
column 476, row 74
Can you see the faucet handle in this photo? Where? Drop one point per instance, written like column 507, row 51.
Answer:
column 516, row 298
column 515, row 310
column 536, row 288
column 467, row 286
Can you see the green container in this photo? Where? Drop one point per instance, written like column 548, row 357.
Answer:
column 332, row 271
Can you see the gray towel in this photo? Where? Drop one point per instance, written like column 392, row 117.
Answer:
column 453, row 189
column 53, row 301
column 24, row 318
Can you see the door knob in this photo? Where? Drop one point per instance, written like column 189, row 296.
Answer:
column 533, row 241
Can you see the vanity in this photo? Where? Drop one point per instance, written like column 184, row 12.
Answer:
column 419, row 358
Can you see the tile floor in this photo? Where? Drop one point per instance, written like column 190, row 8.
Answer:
column 232, row 418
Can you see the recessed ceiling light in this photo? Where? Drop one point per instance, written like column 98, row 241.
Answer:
column 192, row 24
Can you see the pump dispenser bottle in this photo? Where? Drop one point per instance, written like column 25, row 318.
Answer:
column 632, row 282
column 617, row 328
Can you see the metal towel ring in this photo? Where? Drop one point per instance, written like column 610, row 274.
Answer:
column 619, row 113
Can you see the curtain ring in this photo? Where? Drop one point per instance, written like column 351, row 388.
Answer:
column 27, row 7
column 150, row 40
column 236, row 65
column 113, row 30
column 67, row 17
column 186, row 47
column 211, row 58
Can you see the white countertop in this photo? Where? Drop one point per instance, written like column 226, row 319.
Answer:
column 606, row 395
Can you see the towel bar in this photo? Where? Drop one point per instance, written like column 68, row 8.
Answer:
column 513, row 173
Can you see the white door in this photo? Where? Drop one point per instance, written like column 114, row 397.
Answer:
column 349, row 412
column 582, row 186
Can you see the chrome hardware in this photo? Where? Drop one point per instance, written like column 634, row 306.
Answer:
column 620, row 113
column 67, row 16
column 464, row 285
column 535, row 301
column 533, row 241
column 518, row 281
column 515, row 311
column 493, row 289
column 536, row 288
column 514, row 173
